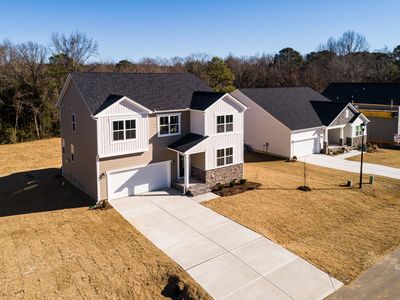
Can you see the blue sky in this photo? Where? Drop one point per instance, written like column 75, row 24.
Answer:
column 134, row 29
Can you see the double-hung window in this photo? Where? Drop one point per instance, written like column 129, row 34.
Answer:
column 224, row 157
column 73, row 120
column 224, row 123
column 169, row 125
column 63, row 146
column 72, row 152
column 124, row 130
column 358, row 131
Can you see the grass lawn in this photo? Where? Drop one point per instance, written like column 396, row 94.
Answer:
column 386, row 157
column 52, row 246
column 342, row 231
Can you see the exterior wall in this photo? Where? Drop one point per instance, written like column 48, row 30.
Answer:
column 198, row 160
column 382, row 129
column 123, row 110
column 218, row 175
column 334, row 135
column 262, row 131
column 156, row 152
column 197, row 122
column 354, row 125
column 82, row 172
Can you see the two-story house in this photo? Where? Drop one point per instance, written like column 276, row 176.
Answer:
column 124, row 134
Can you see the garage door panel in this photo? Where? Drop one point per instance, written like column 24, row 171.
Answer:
column 306, row 147
column 136, row 181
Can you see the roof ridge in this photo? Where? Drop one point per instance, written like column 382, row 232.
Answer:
column 131, row 73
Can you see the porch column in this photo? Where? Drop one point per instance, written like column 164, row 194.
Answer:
column 186, row 174
column 341, row 139
column 325, row 148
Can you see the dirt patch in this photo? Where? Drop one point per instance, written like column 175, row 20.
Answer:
column 385, row 157
column 53, row 246
column 341, row 230
column 237, row 188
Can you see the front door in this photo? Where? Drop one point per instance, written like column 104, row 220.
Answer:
column 181, row 166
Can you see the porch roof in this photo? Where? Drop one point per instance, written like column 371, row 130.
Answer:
column 187, row 142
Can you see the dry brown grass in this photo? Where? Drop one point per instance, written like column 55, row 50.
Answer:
column 52, row 246
column 386, row 157
column 342, row 231
column 30, row 156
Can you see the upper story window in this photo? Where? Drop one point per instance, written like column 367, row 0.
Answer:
column 73, row 119
column 224, row 123
column 169, row 125
column 72, row 152
column 124, row 130
column 347, row 113
column 63, row 146
column 224, row 157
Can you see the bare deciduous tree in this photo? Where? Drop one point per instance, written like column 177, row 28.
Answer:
column 349, row 42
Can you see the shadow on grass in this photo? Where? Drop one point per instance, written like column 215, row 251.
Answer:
column 38, row 191
column 250, row 157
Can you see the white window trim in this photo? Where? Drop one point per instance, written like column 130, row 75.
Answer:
column 225, row 164
column 73, row 156
column 73, row 122
column 216, row 124
column 169, row 115
column 112, row 130
column 356, row 131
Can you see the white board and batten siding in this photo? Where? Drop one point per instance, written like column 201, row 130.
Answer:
column 197, row 122
column 234, row 139
column 124, row 110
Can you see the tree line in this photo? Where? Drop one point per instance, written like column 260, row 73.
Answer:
column 32, row 75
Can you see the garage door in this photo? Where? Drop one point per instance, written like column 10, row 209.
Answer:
column 139, row 180
column 306, row 147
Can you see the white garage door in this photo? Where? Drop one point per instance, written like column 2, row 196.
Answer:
column 306, row 147
column 140, row 180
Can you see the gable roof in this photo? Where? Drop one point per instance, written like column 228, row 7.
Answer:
column 327, row 111
column 291, row 106
column 203, row 100
column 361, row 92
column 187, row 142
column 155, row 91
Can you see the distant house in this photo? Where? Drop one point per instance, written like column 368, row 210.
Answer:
column 297, row 121
column 380, row 102
column 125, row 134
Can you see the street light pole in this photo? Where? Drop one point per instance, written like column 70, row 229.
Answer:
column 362, row 153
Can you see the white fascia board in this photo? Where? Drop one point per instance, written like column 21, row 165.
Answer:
column 145, row 109
column 65, row 86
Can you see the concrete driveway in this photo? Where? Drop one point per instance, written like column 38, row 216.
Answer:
column 228, row 260
column 339, row 162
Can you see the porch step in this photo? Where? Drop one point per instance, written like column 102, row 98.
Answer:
column 194, row 189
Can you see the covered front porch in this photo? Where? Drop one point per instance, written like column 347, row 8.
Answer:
column 335, row 137
column 190, row 165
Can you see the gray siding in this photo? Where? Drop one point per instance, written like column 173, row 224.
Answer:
column 341, row 118
column 81, row 172
column 382, row 129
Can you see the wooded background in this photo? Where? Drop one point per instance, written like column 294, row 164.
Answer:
column 32, row 75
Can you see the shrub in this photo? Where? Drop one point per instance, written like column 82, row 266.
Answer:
column 220, row 186
column 294, row 158
column 232, row 182
column 242, row 181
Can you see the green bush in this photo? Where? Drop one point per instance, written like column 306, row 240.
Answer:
column 242, row 181
column 220, row 186
column 232, row 182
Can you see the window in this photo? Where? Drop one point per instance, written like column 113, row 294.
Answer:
column 73, row 122
column 124, row 130
column 169, row 125
column 347, row 113
column 224, row 157
column 224, row 123
column 359, row 130
column 63, row 146
column 72, row 152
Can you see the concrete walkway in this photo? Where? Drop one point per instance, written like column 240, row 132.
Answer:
column 381, row 281
column 339, row 162
column 228, row 260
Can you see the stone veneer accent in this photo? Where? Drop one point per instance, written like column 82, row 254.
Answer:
column 218, row 175
column 355, row 141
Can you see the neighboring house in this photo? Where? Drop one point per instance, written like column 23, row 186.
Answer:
column 291, row 122
column 125, row 134
column 380, row 102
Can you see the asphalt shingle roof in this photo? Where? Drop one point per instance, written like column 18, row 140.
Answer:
column 359, row 92
column 155, row 91
column 291, row 106
column 187, row 142
column 203, row 100
column 327, row 111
